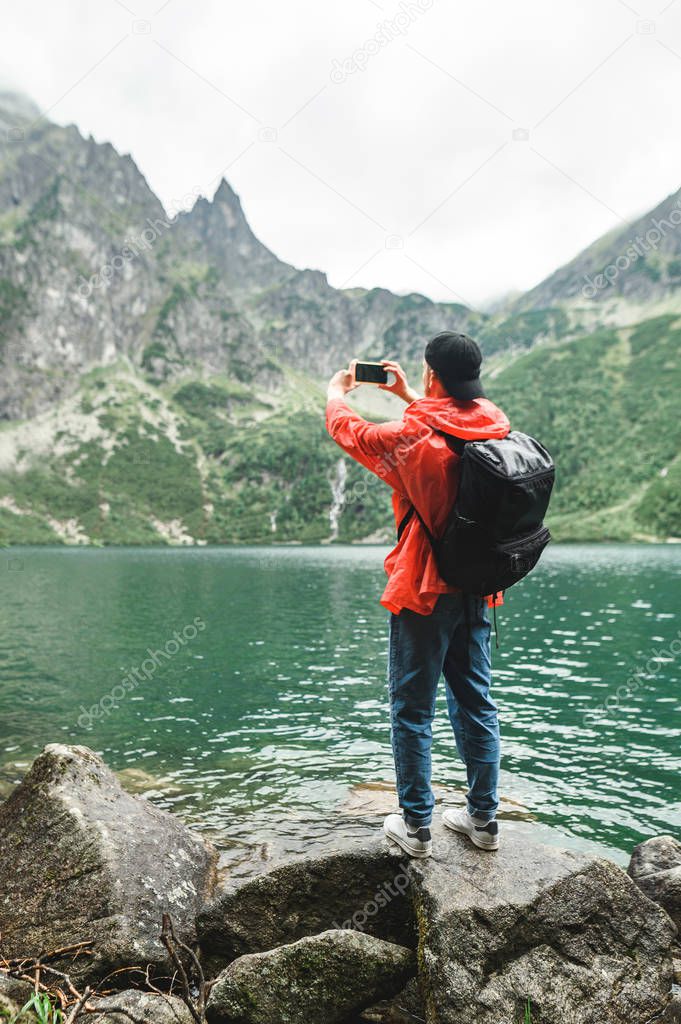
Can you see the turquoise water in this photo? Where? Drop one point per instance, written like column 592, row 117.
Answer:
column 271, row 706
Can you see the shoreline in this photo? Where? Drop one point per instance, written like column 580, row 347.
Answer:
column 91, row 873
column 331, row 545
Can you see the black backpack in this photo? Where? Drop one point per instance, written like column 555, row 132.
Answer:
column 495, row 532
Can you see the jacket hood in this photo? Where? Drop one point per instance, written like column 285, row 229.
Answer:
column 471, row 421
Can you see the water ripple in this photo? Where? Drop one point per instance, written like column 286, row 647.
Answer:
column 279, row 706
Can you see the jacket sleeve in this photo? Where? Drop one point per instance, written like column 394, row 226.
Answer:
column 371, row 444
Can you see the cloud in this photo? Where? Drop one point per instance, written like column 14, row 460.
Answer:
column 495, row 140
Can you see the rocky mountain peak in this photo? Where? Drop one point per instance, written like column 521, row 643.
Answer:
column 219, row 229
column 226, row 196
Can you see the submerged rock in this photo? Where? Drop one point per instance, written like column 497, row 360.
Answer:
column 321, row 979
column 378, row 797
column 84, row 860
column 656, row 868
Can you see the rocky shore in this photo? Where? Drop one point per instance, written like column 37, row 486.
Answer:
column 114, row 906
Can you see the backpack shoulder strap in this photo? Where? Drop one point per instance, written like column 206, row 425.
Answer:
column 457, row 444
column 404, row 522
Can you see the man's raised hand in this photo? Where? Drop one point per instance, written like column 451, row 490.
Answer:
column 400, row 385
column 342, row 382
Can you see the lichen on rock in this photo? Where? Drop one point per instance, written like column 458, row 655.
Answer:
column 321, row 978
column 84, row 860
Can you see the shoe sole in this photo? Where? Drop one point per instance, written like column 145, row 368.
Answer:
column 419, row 854
column 490, row 847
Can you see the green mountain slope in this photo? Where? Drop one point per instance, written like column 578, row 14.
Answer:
column 127, row 462
column 606, row 406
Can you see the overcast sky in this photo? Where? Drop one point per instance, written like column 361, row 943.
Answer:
column 383, row 142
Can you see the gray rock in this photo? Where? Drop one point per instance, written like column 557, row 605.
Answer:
column 84, row 860
column 13, row 995
column 365, row 888
column 321, row 979
column 567, row 931
column 8, row 1008
column 143, row 1006
column 655, row 866
column 14, row 990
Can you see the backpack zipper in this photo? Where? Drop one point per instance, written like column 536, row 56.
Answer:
column 531, row 476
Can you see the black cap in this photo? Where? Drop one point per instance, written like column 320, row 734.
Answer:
column 456, row 359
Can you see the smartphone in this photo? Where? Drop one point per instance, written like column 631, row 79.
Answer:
column 370, row 373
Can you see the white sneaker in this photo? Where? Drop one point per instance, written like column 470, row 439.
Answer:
column 415, row 842
column 485, row 835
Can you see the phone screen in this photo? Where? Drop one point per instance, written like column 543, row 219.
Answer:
column 370, row 373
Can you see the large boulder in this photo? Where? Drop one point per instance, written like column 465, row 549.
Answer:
column 81, row 860
column 321, row 979
column 365, row 888
column 655, row 866
column 569, row 932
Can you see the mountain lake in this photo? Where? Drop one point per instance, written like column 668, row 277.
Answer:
column 245, row 688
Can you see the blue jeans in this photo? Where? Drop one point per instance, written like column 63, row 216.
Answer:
column 422, row 647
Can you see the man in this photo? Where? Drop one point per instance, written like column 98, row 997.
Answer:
column 434, row 628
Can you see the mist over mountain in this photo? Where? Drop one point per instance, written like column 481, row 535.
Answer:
column 633, row 266
column 162, row 375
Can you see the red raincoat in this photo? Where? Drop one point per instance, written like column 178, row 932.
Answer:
column 422, row 470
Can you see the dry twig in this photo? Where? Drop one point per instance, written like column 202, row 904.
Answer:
column 76, row 1005
column 197, row 1007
